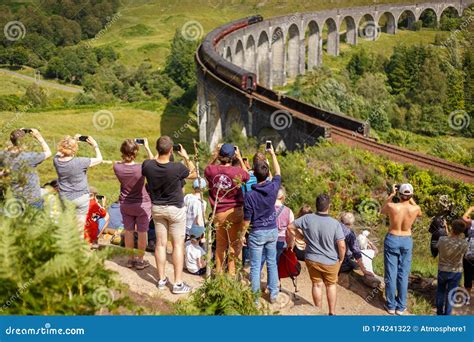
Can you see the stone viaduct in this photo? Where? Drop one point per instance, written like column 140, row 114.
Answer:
column 280, row 48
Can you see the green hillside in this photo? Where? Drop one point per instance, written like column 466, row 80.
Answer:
column 144, row 28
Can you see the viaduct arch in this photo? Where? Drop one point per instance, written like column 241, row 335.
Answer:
column 280, row 48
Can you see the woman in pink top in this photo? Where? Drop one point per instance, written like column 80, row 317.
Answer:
column 284, row 217
column 135, row 203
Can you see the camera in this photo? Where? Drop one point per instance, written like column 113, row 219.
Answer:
column 83, row 138
column 100, row 197
column 140, row 141
column 27, row 130
column 390, row 187
column 176, row 147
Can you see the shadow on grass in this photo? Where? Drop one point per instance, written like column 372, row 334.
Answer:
column 179, row 119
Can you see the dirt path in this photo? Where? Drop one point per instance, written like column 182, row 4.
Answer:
column 41, row 82
column 351, row 293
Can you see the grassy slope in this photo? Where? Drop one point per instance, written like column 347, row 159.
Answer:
column 144, row 28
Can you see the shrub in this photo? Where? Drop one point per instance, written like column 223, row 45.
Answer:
column 220, row 295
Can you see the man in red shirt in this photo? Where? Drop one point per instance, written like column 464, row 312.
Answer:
column 96, row 212
column 225, row 193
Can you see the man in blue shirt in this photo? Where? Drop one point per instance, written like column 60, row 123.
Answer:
column 260, row 215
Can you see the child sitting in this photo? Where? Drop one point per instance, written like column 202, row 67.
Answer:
column 195, row 254
column 451, row 252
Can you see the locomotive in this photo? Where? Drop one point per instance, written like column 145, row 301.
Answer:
column 243, row 79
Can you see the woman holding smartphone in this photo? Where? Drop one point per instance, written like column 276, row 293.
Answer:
column 72, row 174
column 135, row 203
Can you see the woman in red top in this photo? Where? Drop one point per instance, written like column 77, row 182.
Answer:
column 225, row 195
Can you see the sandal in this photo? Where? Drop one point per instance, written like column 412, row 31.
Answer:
column 141, row 264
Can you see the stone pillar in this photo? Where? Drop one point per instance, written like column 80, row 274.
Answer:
column 202, row 109
column 319, row 52
column 333, row 43
column 302, row 60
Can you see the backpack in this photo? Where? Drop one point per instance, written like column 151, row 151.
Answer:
column 469, row 256
column 289, row 266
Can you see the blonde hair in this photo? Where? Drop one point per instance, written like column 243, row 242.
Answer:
column 281, row 194
column 68, row 146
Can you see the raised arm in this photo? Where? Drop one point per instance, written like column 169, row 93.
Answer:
column 189, row 164
column 44, row 145
column 238, row 155
column 412, row 202
column 215, row 154
column 147, row 149
column 389, row 200
column 98, row 155
column 276, row 165
column 467, row 215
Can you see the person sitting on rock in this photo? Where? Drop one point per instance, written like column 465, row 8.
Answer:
column 368, row 252
column 353, row 258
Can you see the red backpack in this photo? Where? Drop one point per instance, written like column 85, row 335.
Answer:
column 289, row 266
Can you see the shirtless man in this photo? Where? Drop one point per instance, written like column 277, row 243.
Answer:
column 398, row 247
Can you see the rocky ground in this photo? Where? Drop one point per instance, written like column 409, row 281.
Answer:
column 354, row 298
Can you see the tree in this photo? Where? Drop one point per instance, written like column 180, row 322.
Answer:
column 432, row 82
column 468, row 66
column 17, row 56
column 363, row 61
column 91, row 26
column 180, row 62
column 36, row 95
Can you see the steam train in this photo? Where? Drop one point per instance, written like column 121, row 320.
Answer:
column 235, row 75
column 247, row 81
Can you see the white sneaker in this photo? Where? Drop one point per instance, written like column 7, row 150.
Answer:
column 400, row 312
column 181, row 288
column 162, row 284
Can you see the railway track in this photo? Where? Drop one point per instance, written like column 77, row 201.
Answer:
column 395, row 153
column 355, row 139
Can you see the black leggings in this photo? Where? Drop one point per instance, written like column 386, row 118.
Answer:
column 468, row 267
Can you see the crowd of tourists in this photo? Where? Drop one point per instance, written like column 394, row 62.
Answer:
column 252, row 225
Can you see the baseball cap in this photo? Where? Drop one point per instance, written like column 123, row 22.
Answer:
column 406, row 189
column 227, row 150
column 199, row 183
column 196, row 231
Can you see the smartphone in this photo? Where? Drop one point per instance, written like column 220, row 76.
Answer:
column 27, row 130
column 100, row 197
column 268, row 145
column 244, row 160
column 176, row 147
column 83, row 138
column 140, row 141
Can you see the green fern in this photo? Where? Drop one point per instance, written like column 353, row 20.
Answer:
column 47, row 268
